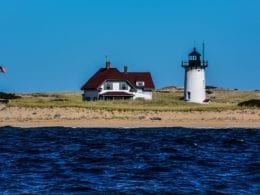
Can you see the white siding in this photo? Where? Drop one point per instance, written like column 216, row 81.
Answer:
column 94, row 94
column 194, row 89
column 116, row 87
column 147, row 95
column 90, row 95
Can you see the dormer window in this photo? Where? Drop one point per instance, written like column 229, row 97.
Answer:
column 123, row 86
column 108, row 86
column 140, row 83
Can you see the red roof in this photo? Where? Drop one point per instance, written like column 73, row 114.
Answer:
column 117, row 94
column 140, row 76
column 104, row 74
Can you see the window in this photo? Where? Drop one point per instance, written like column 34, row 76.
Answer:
column 108, row 86
column 140, row 83
column 123, row 86
column 193, row 57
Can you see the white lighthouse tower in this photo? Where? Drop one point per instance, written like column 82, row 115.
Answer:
column 194, row 84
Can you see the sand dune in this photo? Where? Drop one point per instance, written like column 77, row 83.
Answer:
column 83, row 117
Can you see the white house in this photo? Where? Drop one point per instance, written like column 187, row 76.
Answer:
column 110, row 83
column 195, row 81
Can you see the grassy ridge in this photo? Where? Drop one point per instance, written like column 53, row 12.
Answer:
column 221, row 100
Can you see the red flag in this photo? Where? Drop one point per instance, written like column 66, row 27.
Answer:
column 2, row 69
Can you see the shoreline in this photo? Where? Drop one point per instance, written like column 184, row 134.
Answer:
column 86, row 118
column 122, row 124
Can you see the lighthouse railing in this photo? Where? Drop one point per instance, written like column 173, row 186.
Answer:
column 203, row 64
column 184, row 64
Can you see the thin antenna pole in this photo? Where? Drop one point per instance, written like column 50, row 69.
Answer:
column 106, row 58
column 203, row 51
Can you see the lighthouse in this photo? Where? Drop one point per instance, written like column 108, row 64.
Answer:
column 195, row 82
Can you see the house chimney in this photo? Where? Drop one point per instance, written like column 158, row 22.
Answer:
column 108, row 64
column 125, row 69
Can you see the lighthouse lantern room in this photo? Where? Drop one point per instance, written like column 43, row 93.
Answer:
column 194, row 83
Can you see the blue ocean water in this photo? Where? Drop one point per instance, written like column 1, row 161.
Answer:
column 151, row 160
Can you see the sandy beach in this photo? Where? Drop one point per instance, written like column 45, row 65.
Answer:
column 83, row 117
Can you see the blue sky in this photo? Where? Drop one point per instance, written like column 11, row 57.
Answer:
column 56, row 45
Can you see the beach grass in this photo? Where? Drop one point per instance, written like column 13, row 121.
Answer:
column 162, row 101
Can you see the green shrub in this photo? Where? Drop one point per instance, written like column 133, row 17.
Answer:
column 8, row 96
column 250, row 103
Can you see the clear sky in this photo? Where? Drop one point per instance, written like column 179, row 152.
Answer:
column 56, row 45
